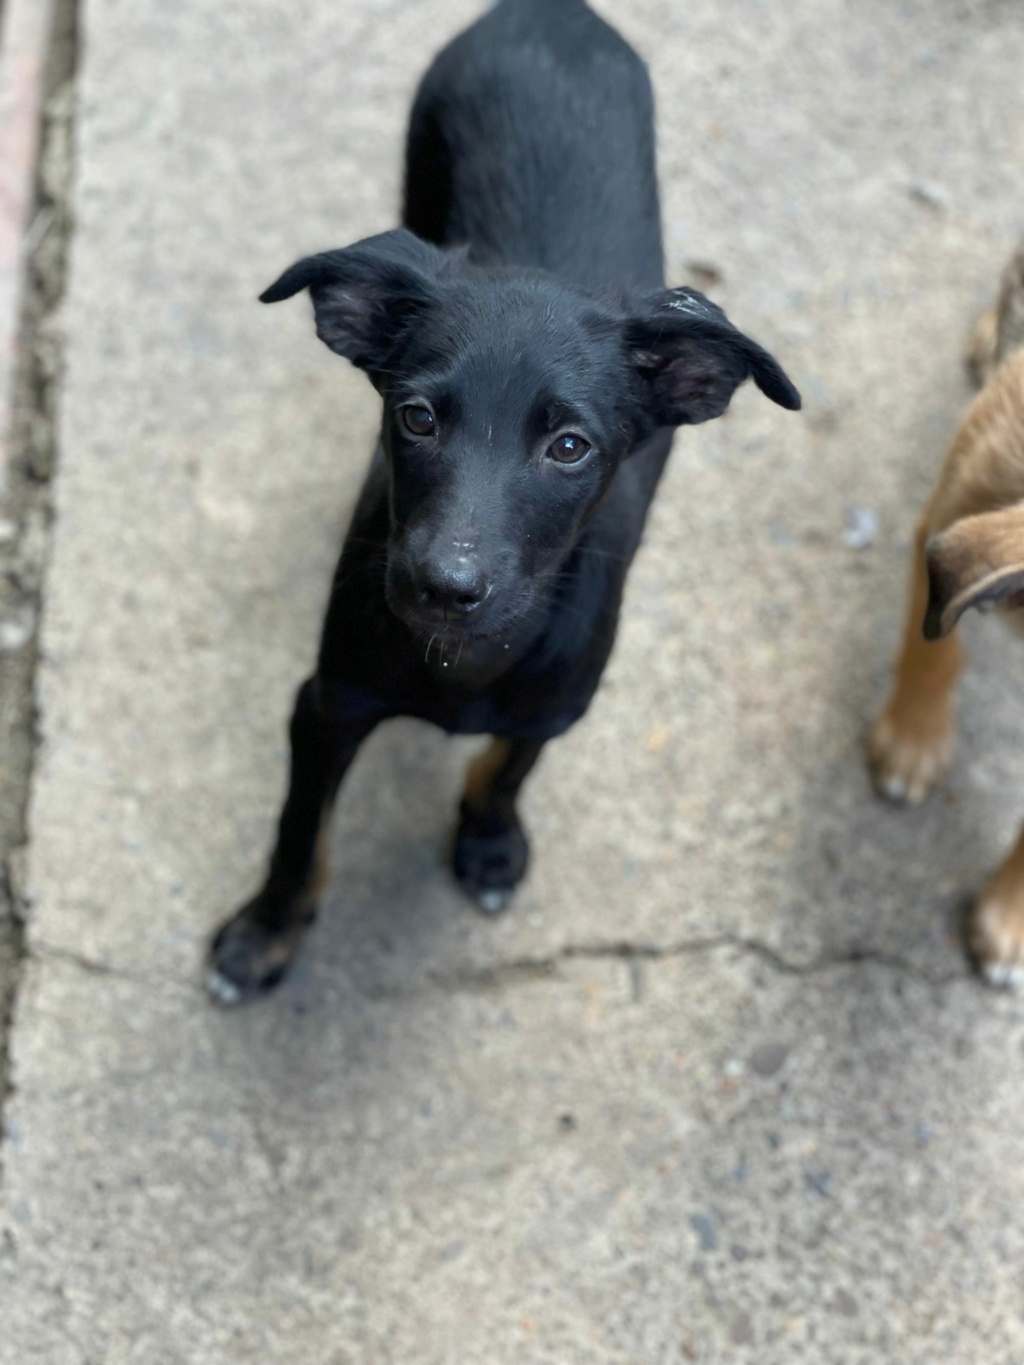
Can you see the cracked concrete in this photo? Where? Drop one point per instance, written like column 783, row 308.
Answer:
column 721, row 1087
column 634, row 954
column 27, row 411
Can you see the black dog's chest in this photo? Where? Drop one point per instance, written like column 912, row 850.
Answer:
column 518, row 709
column 485, row 715
column 517, row 697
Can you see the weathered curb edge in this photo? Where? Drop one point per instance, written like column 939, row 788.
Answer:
column 25, row 29
column 37, row 271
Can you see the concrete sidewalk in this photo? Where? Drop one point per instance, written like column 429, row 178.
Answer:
column 720, row 1089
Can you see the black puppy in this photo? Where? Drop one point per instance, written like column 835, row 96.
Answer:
column 532, row 367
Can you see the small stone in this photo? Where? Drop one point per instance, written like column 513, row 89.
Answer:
column 846, row 1304
column 928, row 193
column 819, row 1182
column 8, row 530
column 733, row 1068
column 742, row 1330
column 861, row 529
column 567, row 1123
column 705, row 1230
column 16, row 632
column 781, row 536
column 657, row 739
column 768, row 1058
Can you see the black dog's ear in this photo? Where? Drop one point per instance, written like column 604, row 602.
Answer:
column 365, row 295
column 692, row 359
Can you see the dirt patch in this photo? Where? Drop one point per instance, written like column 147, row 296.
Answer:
column 25, row 511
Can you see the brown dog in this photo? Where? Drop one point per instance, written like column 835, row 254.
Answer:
column 968, row 552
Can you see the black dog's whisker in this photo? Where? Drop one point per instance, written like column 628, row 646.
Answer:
column 595, row 553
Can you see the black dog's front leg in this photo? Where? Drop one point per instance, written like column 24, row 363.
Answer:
column 491, row 849
column 254, row 948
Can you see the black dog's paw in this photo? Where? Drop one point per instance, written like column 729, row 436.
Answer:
column 247, row 959
column 490, row 860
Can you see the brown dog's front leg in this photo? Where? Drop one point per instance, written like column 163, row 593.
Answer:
column 911, row 745
column 252, row 950
column 491, row 849
column 996, row 927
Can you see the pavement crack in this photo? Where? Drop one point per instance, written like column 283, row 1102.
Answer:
column 38, row 951
column 69, row 956
column 528, row 969
column 524, row 970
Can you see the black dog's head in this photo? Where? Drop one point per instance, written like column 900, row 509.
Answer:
column 509, row 401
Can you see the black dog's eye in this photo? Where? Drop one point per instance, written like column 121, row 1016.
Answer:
column 569, row 449
column 418, row 420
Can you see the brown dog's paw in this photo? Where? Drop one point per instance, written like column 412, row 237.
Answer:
column 908, row 753
column 996, row 937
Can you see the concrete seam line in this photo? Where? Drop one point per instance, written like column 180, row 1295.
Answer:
column 25, row 27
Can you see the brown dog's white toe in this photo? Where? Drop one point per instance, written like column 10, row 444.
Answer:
column 910, row 751
column 996, row 930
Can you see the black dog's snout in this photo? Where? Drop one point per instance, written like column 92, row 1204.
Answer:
column 451, row 585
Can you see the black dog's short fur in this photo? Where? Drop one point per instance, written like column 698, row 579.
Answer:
column 531, row 366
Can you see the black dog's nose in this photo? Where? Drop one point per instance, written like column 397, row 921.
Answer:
column 455, row 586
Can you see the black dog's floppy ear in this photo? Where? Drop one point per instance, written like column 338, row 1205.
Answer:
column 978, row 562
column 364, row 295
column 692, row 359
